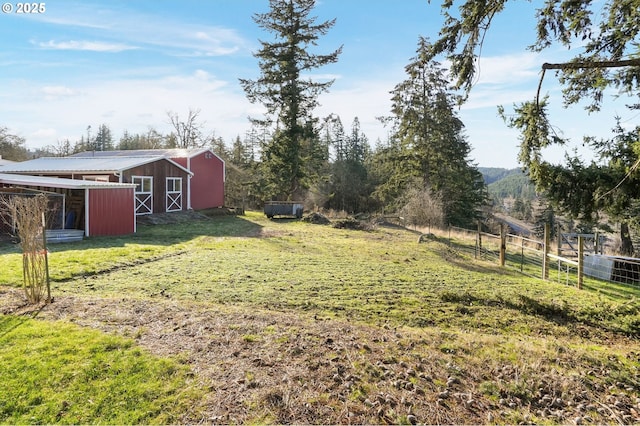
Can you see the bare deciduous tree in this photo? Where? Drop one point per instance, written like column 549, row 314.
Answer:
column 188, row 132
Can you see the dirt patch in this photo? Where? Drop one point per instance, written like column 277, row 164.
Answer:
column 284, row 367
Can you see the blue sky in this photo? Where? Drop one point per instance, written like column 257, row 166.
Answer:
column 127, row 63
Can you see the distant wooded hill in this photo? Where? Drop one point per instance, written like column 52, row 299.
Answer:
column 507, row 183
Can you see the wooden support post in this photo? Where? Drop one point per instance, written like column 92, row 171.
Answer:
column 580, row 261
column 521, row 254
column 479, row 241
column 503, row 245
column 545, row 248
column 559, row 239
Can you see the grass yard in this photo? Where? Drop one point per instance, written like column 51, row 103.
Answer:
column 247, row 320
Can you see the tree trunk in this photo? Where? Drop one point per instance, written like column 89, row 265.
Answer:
column 626, row 248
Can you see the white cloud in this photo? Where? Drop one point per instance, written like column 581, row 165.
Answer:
column 55, row 92
column 508, row 69
column 94, row 46
column 129, row 104
column 210, row 42
column 135, row 30
column 48, row 133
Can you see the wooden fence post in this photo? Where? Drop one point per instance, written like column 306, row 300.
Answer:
column 545, row 248
column 580, row 261
column 503, row 245
column 479, row 241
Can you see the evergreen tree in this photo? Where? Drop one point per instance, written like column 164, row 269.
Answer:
column 289, row 98
column 349, row 186
column 83, row 145
column 150, row 140
column 389, row 176
column 545, row 214
column 432, row 145
column 103, row 140
column 517, row 210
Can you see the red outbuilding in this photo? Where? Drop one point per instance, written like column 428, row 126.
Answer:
column 153, row 185
column 206, row 186
column 97, row 208
column 104, row 191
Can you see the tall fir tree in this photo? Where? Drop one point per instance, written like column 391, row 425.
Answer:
column 288, row 97
column 431, row 141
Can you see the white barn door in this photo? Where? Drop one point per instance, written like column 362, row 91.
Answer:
column 143, row 194
column 174, row 194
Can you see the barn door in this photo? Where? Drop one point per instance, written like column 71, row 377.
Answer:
column 143, row 194
column 174, row 194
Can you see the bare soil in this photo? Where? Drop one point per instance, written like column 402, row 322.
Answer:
column 284, row 367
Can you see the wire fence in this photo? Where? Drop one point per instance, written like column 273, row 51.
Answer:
column 534, row 258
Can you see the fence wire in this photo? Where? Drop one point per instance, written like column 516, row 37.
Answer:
column 527, row 256
column 524, row 255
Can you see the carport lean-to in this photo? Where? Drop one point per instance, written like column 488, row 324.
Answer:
column 98, row 208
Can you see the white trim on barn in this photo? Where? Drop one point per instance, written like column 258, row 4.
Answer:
column 189, row 184
column 87, row 215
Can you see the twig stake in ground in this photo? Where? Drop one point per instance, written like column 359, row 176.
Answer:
column 28, row 216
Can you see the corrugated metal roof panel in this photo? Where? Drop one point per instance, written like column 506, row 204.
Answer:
column 170, row 153
column 58, row 165
column 78, row 164
column 53, row 182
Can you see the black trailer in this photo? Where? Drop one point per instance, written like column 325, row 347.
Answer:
column 283, row 208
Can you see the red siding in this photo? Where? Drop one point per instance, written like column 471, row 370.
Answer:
column 111, row 211
column 207, row 183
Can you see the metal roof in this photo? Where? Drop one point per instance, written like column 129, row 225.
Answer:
column 169, row 153
column 54, row 182
column 57, row 165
